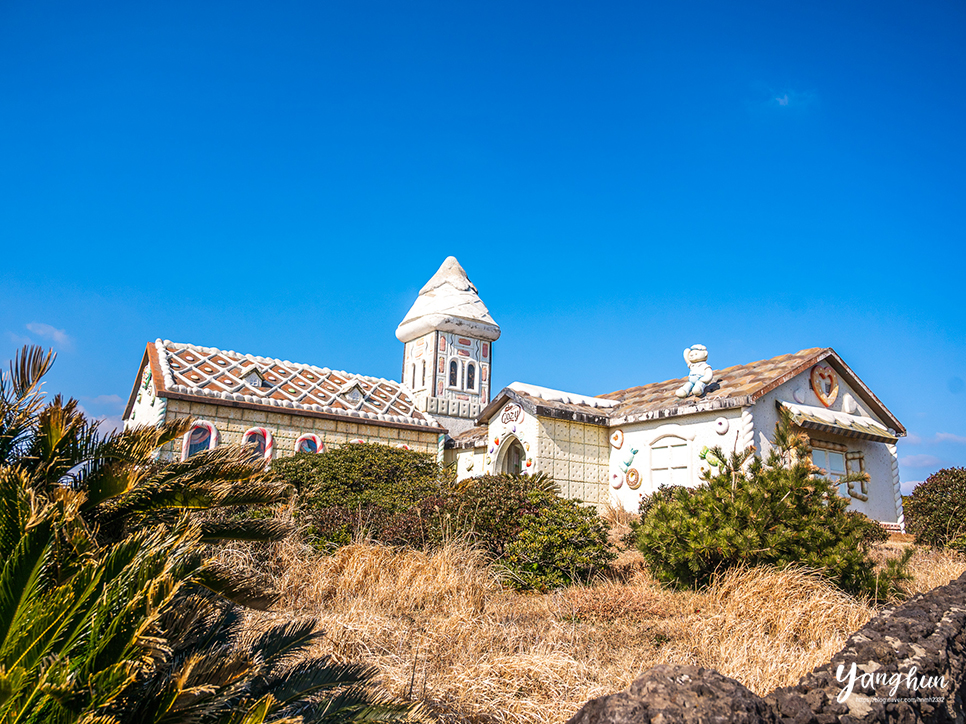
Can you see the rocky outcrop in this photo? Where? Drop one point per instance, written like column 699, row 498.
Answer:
column 907, row 665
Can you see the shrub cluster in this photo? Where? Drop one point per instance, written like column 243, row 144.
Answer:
column 936, row 510
column 400, row 497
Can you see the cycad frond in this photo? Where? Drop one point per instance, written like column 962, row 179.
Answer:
column 245, row 590
column 257, row 529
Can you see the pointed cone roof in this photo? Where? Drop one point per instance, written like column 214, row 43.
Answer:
column 448, row 302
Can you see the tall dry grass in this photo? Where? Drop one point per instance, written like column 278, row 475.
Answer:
column 441, row 629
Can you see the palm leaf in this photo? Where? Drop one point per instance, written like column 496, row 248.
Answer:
column 259, row 529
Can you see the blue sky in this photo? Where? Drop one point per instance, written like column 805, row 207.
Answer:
column 620, row 180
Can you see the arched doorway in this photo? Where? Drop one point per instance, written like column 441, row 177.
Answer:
column 512, row 457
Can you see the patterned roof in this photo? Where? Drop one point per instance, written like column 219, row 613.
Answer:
column 215, row 375
column 730, row 387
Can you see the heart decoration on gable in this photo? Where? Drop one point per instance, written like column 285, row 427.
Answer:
column 617, row 439
column 825, row 384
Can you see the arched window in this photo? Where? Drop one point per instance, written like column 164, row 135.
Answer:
column 454, row 373
column 470, row 376
column 511, row 461
column 202, row 436
column 309, row 443
column 261, row 440
column 670, row 462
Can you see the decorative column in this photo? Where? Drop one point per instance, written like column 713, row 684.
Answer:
column 896, row 487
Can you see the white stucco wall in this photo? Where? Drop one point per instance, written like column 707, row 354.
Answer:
column 148, row 408
column 880, row 458
column 698, row 431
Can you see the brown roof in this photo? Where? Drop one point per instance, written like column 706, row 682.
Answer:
column 212, row 375
column 474, row 437
column 731, row 387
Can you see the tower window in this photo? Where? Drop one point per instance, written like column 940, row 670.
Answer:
column 413, row 377
column 470, row 376
column 454, row 373
column 424, row 374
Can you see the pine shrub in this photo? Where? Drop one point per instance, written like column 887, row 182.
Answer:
column 560, row 542
column 752, row 512
column 936, row 510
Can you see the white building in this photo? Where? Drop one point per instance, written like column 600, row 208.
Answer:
column 611, row 448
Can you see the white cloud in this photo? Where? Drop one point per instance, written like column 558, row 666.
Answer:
column 908, row 486
column 949, row 437
column 47, row 331
column 19, row 340
column 921, row 461
column 912, row 439
column 114, row 401
column 110, row 423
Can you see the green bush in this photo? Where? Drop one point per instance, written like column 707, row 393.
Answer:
column 559, row 542
column 422, row 526
column 753, row 512
column 490, row 508
column 361, row 474
column 936, row 510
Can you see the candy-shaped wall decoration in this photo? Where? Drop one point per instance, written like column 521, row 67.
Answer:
column 633, row 479
column 616, row 480
column 721, row 425
column 617, row 439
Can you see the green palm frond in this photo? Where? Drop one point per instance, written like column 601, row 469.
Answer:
column 245, row 590
column 258, row 529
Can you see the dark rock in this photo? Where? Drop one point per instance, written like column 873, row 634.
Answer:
column 667, row 694
column 909, row 668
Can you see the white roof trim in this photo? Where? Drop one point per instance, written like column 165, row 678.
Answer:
column 569, row 398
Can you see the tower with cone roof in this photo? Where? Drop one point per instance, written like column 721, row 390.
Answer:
column 448, row 337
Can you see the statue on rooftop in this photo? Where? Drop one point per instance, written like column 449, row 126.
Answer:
column 700, row 371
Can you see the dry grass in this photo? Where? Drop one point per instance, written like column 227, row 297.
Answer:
column 929, row 567
column 441, row 629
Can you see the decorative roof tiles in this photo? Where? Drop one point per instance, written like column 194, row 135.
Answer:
column 219, row 376
column 730, row 387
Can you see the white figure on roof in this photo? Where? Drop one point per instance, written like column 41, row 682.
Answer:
column 701, row 373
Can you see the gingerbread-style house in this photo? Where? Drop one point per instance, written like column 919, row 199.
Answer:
column 606, row 449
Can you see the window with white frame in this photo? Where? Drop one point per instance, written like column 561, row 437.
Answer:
column 670, row 462
column 454, row 373
column 470, row 376
column 835, row 461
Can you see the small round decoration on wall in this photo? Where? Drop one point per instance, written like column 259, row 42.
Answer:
column 616, row 480
column 721, row 425
column 617, row 439
column 633, row 479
